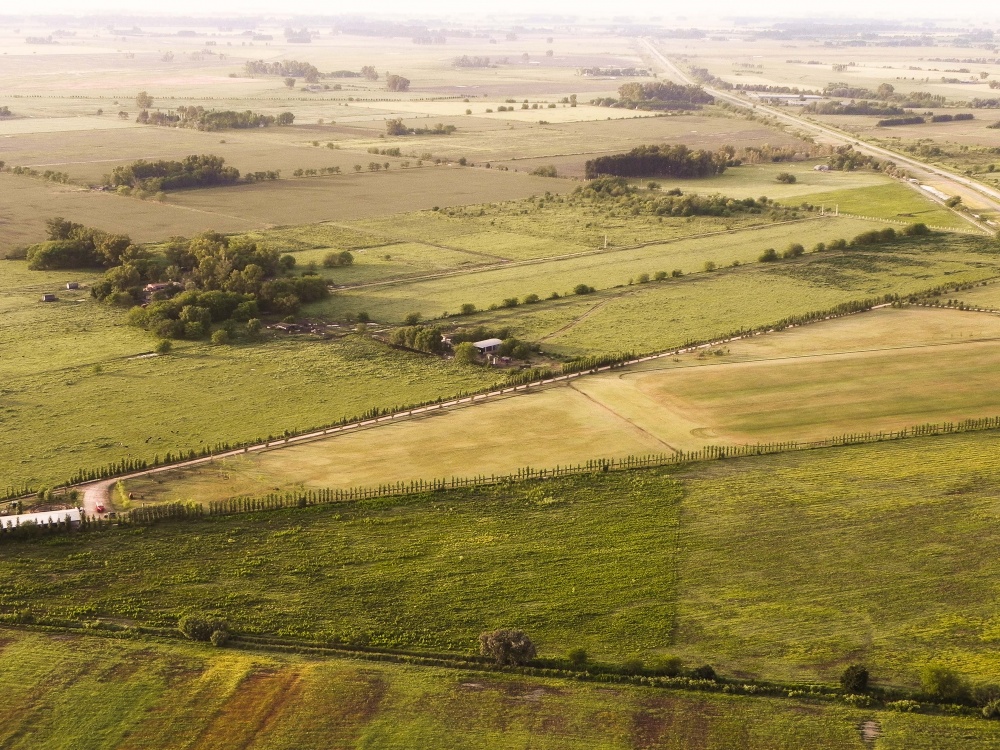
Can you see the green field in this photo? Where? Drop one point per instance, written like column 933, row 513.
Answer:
column 891, row 201
column 86, row 693
column 439, row 296
column 753, row 565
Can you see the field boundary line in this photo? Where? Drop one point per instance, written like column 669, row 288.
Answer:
column 572, row 256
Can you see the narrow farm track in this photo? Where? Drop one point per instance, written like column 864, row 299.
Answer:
column 990, row 195
column 576, row 321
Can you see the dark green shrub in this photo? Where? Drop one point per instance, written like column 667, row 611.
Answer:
column 704, row 672
column 507, row 646
column 768, row 256
column 199, row 628
column 577, row 658
column 854, row 679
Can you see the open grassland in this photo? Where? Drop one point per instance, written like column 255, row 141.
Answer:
column 877, row 554
column 882, row 370
column 604, row 270
column 754, row 565
column 985, row 296
column 85, row 692
column 558, row 426
column 559, row 559
column 67, row 406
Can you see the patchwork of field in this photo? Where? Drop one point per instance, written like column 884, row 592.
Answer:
column 86, row 692
column 110, row 402
column 751, row 564
column 905, row 68
column 878, row 371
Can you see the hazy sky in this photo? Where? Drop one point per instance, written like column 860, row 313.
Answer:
column 845, row 9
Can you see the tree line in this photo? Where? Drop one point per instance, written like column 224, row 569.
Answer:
column 199, row 118
column 292, row 68
column 657, row 95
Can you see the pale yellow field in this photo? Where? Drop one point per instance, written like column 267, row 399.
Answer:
column 875, row 371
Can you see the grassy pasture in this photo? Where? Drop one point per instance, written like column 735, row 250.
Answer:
column 754, row 565
column 60, row 689
column 891, row 201
column 76, row 392
column 434, row 297
column 878, row 371
column 877, row 554
column 622, row 320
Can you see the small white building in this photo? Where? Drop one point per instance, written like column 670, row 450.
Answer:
column 44, row 518
column 488, row 346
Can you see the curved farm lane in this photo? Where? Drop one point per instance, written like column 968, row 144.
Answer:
column 984, row 192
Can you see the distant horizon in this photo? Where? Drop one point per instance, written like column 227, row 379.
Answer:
column 853, row 11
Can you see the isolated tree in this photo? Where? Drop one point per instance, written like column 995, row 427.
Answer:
column 507, row 646
column 163, row 346
column 397, row 83
column 290, row 82
column 143, row 100
column 369, row 73
column 396, row 127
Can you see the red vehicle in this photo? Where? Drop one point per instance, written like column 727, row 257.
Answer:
column 99, row 508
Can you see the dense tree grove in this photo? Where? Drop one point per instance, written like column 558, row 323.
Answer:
column 915, row 120
column 397, row 83
column 72, row 245
column 659, row 161
column 193, row 171
column 886, row 93
column 670, row 203
column 396, row 127
column 192, row 285
column 284, row 68
column 422, row 338
column 199, row 118
column 658, row 95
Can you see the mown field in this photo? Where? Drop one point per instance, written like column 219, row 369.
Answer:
column 877, row 371
column 85, row 692
column 753, row 565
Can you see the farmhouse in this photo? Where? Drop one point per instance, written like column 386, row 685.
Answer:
column 487, row 346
